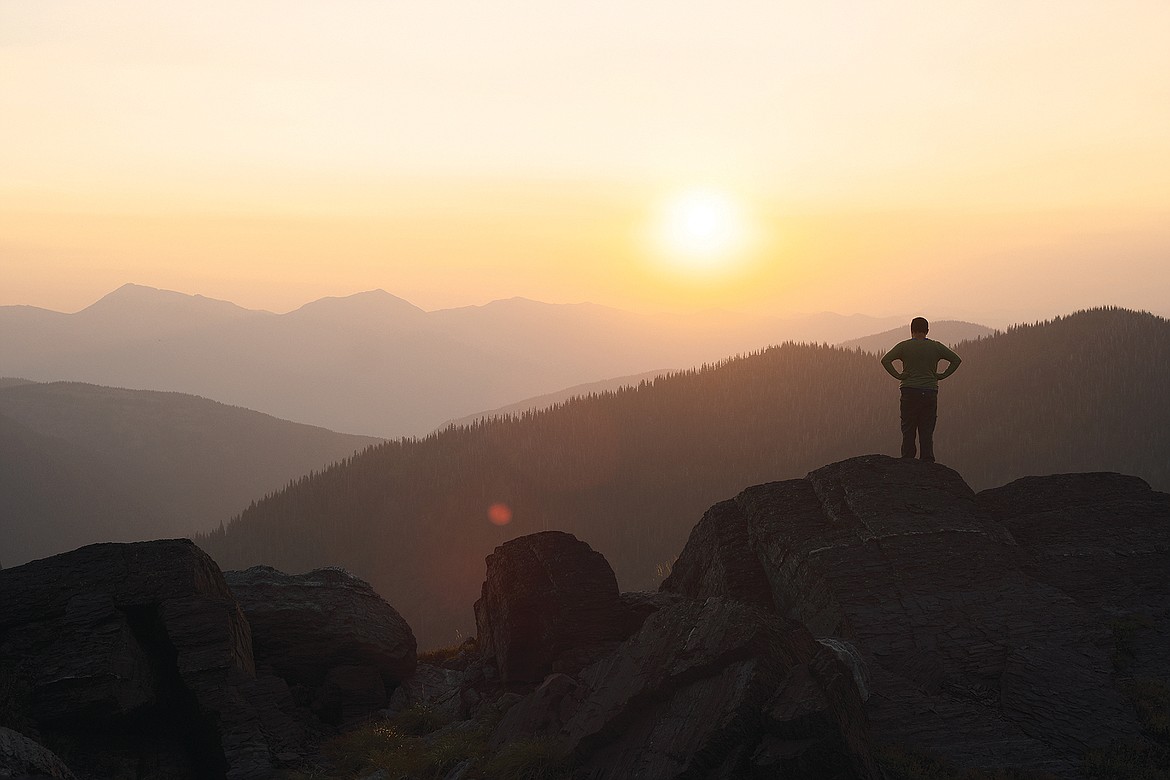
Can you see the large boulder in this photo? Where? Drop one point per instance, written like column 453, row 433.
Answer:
column 327, row 632
column 966, row 655
column 713, row 689
column 122, row 650
column 549, row 603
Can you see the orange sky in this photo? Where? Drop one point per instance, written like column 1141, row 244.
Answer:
column 1013, row 157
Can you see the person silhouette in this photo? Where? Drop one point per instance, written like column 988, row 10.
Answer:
column 919, row 389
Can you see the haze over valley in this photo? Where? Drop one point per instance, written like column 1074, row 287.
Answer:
column 374, row 364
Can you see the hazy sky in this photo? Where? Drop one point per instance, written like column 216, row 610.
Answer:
column 981, row 158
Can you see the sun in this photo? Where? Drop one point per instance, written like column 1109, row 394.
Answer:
column 701, row 230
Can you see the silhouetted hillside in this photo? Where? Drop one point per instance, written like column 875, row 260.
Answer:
column 128, row 464
column 560, row 397
column 373, row 363
column 632, row 471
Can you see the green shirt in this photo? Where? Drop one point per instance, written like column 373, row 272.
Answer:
column 920, row 362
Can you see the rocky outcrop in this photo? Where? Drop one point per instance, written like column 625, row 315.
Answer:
column 138, row 659
column 329, row 635
column 143, row 639
column 549, row 603
column 877, row 607
column 972, row 646
column 22, row 757
column 712, row 689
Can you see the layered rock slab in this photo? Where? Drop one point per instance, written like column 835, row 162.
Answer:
column 713, row 689
column 304, row 625
column 967, row 656
column 143, row 641
column 328, row 633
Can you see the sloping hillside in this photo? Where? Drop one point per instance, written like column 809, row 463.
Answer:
column 54, row 498
column 631, row 471
column 129, row 464
column 560, row 397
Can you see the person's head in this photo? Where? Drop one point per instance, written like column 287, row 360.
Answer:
column 919, row 326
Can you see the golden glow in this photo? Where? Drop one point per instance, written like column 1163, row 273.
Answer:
column 701, row 230
column 270, row 153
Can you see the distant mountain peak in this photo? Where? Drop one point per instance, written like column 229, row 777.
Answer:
column 369, row 303
column 133, row 298
column 141, row 292
column 131, row 292
column 130, row 288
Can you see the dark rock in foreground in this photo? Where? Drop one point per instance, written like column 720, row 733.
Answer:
column 328, row 632
column 713, row 689
column 144, row 639
column 658, row 686
column 550, row 603
column 138, row 659
column 877, row 607
column 984, row 651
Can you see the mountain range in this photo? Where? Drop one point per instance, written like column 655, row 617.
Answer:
column 632, row 470
column 81, row 463
column 373, row 363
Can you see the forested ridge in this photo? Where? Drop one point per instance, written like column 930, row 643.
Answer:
column 632, row 471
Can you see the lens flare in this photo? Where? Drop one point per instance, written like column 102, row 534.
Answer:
column 499, row 514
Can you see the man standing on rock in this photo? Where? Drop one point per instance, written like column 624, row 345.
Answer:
column 919, row 378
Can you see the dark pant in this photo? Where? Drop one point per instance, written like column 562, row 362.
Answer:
column 919, row 413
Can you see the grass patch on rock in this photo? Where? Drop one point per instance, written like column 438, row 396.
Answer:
column 387, row 750
column 417, row 743
column 528, row 759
